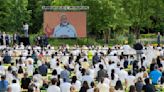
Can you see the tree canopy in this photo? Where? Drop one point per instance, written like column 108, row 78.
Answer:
column 116, row 15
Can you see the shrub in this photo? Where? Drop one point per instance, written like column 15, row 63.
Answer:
column 148, row 35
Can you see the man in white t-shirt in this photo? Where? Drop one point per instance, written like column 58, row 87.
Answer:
column 58, row 68
column 122, row 75
column 110, row 66
column 25, row 29
column 53, row 87
column 130, row 79
column 87, row 78
column 15, row 87
column 65, row 86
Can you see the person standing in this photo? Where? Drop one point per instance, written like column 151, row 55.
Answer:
column 1, row 38
column 7, row 39
column 25, row 29
column 158, row 39
column 16, row 38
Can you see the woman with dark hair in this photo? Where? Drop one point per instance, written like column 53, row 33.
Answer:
column 84, row 87
column 54, row 73
column 83, row 71
column 114, row 78
column 132, row 88
column 92, row 87
column 152, row 64
column 20, row 70
column 70, row 64
column 77, row 59
column 119, row 86
column 159, row 62
column 59, row 80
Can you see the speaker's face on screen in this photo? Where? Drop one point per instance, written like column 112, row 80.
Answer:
column 64, row 19
column 64, row 29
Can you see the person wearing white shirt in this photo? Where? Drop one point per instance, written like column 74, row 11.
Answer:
column 87, row 78
column 53, row 62
column 107, row 81
column 30, row 68
column 92, row 72
column 130, row 79
column 103, row 87
column 37, row 77
column 58, row 68
column 65, row 86
column 25, row 29
column 14, row 68
column 115, row 58
column 110, row 66
column 2, row 69
column 117, row 69
column 15, row 87
column 53, row 87
column 122, row 75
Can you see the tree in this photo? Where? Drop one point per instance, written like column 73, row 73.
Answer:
column 13, row 12
column 140, row 11
column 35, row 6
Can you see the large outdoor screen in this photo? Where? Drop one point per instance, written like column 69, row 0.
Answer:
column 65, row 24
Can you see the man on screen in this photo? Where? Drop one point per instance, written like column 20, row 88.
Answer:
column 64, row 29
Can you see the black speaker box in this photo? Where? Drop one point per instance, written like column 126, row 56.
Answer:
column 25, row 40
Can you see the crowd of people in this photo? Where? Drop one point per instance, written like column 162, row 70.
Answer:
column 80, row 68
column 8, row 39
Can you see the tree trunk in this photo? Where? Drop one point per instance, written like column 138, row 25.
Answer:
column 107, row 35
column 137, row 31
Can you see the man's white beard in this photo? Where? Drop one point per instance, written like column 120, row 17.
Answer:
column 64, row 24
